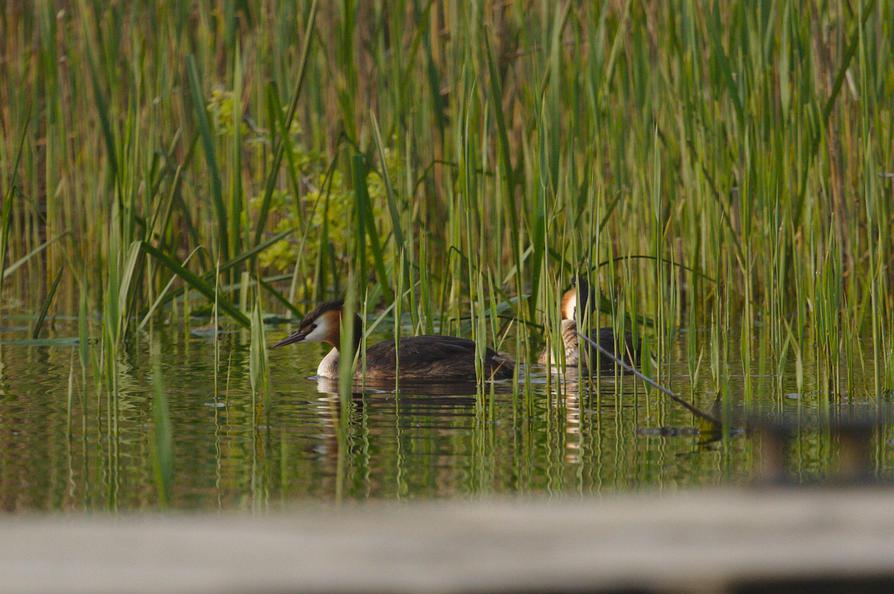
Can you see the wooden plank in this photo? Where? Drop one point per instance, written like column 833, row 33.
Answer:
column 704, row 541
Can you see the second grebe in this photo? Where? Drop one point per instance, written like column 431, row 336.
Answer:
column 418, row 358
column 605, row 337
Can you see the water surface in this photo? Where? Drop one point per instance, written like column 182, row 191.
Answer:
column 62, row 449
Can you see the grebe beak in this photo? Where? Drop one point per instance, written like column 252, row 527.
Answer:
column 296, row 336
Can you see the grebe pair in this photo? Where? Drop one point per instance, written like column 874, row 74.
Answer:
column 438, row 358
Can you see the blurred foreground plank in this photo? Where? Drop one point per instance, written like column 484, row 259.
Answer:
column 707, row 541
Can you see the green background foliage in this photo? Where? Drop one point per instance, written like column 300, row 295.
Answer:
column 729, row 165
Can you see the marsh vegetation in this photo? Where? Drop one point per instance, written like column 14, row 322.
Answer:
column 179, row 179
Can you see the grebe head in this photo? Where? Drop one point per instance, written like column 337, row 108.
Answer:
column 579, row 294
column 323, row 324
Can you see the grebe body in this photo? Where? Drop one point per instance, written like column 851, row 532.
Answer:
column 585, row 355
column 432, row 358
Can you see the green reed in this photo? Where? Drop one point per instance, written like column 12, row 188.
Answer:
column 729, row 161
column 161, row 438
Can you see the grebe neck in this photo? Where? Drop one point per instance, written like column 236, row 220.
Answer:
column 569, row 334
column 328, row 367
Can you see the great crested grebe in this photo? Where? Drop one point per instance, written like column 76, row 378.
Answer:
column 605, row 337
column 419, row 358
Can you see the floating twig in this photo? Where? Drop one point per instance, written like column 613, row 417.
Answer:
column 670, row 394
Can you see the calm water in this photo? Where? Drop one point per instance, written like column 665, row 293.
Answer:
column 60, row 449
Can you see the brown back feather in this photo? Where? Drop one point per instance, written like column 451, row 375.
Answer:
column 432, row 358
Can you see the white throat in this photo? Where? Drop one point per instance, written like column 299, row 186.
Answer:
column 328, row 367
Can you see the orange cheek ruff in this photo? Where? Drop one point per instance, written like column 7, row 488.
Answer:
column 569, row 302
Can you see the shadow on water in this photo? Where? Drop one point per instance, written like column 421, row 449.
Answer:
column 456, row 392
